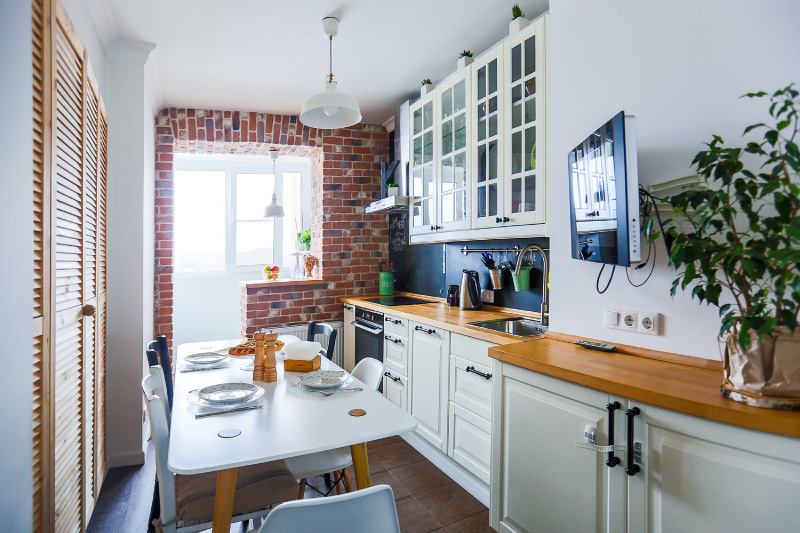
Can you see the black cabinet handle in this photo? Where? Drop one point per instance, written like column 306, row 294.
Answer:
column 632, row 467
column 396, row 341
column 506, row 219
column 481, row 374
column 428, row 331
column 612, row 460
column 348, row 307
column 392, row 320
column 498, row 220
column 388, row 375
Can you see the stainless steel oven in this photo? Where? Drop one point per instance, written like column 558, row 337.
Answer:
column 369, row 334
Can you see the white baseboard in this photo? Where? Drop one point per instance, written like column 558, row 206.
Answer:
column 455, row 471
column 126, row 459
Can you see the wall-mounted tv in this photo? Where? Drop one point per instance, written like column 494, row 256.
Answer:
column 604, row 195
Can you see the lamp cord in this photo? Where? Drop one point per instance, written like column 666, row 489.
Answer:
column 330, row 59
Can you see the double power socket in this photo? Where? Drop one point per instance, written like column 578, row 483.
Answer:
column 646, row 322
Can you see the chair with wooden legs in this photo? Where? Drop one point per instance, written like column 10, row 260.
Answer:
column 370, row 372
column 187, row 501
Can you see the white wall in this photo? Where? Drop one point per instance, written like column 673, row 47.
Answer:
column 16, row 282
column 208, row 308
column 680, row 68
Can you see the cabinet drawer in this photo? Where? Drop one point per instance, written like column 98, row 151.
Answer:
column 469, row 389
column 470, row 441
column 395, row 389
column 472, row 349
column 395, row 353
column 395, row 325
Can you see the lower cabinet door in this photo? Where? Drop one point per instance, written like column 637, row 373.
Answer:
column 470, row 441
column 395, row 389
column 548, row 484
column 706, row 476
column 429, row 354
column 395, row 354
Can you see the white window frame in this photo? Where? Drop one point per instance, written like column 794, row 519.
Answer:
column 248, row 164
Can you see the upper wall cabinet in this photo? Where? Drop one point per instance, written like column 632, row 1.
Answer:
column 423, row 183
column 524, row 88
column 478, row 168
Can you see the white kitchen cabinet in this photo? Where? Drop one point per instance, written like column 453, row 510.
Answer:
column 540, row 480
column 470, row 441
column 469, row 387
column 395, row 389
column 452, row 156
column 395, row 354
column 694, row 474
column 699, row 475
column 430, row 349
column 349, row 340
column 423, row 179
column 524, row 185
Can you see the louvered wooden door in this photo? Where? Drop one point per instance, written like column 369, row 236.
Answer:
column 70, row 156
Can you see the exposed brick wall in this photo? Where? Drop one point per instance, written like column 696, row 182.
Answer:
column 345, row 176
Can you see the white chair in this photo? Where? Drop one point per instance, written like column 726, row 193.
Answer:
column 370, row 510
column 187, row 501
column 369, row 371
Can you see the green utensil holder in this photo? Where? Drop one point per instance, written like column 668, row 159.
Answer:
column 385, row 283
column 523, row 281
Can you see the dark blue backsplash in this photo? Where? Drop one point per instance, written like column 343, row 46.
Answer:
column 430, row 268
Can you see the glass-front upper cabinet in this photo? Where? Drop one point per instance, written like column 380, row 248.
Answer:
column 423, row 165
column 487, row 139
column 524, row 186
column 452, row 156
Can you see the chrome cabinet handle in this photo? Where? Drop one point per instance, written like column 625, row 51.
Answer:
column 393, row 378
column 481, row 374
column 428, row 331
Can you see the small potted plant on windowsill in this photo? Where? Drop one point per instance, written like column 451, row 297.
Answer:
column 741, row 237
column 518, row 20
column 427, row 87
column 304, row 237
column 392, row 189
column 464, row 59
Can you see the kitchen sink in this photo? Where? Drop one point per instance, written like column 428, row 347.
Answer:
column 518, row 326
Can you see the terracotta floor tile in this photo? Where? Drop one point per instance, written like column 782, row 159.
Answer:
column 450, row 503
column 474, row 524
column 414, row 518
column 420, row 476
column 397, row 454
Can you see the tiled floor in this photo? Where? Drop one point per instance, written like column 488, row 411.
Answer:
column 427, row 500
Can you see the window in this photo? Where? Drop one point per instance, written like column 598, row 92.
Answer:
column 219, row 223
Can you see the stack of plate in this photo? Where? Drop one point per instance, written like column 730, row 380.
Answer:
column 225, row 396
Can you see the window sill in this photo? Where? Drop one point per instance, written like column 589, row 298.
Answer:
column 256, row 284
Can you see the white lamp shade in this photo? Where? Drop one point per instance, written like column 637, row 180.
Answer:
column 330, row 109
column 273, row 209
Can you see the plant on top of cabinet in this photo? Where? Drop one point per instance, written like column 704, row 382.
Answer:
column 732, row 242
column 464, row 59
column 518, row 20
column 427, row 87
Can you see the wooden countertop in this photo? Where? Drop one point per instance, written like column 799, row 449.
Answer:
column 439, row 314
column 686, row 389
column 680, row 383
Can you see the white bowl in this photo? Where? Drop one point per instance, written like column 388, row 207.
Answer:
column 302, row 350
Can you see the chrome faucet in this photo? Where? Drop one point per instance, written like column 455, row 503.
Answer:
column 545, row 310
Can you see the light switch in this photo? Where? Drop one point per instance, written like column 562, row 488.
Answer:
column 612, row 319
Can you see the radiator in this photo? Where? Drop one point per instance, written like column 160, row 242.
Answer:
column 300, row 330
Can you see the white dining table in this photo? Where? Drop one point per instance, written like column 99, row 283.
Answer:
column 292, row 422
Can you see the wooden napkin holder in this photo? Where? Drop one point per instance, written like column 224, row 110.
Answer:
column 293, row 365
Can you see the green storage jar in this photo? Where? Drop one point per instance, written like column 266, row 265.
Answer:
column 385, row 284
column 523, row 281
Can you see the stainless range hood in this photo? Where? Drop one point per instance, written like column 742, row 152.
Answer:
column 390, row 204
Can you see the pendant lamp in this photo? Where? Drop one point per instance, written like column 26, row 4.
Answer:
column 273, row 210
column 330, row 109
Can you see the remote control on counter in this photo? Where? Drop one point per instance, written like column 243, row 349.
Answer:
column 596, row 345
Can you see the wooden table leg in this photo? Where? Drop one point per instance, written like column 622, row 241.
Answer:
column 361, row 465
column 223, row 500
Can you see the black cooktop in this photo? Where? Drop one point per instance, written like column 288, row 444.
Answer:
column 391, row 301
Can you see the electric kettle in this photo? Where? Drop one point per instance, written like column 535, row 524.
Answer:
column 470, row 295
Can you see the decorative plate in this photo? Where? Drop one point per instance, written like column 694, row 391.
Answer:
column 227, row 393
column 205, row 358
column 198, row 405
column 323, row 379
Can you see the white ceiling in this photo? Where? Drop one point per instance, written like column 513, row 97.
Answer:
column 270, row 55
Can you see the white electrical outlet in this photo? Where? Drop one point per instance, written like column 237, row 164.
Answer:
column 630, row 321
column 650, row 322
column 487, row 296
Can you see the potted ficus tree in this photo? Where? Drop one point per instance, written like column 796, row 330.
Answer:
column 736, row 246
